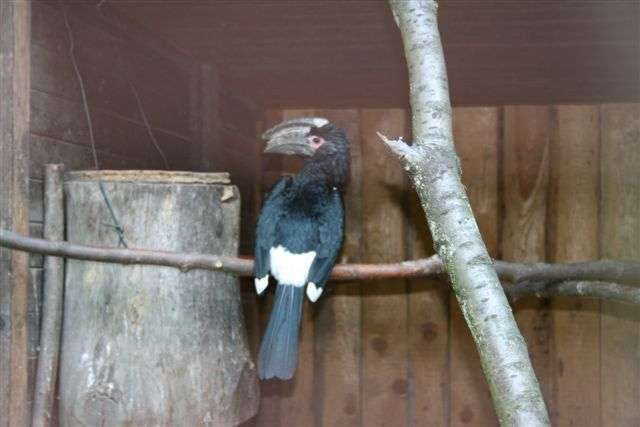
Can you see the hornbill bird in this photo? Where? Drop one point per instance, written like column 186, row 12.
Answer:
column 299, row 233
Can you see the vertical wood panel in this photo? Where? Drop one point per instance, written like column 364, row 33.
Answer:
column 269, row 412
column 297, row 401
column 620, row 239
column 428, row 333
column 526, row 177
column 337, row 339
column 477, row 137
column 15, row 75
column 384, row 305
column 572, row 237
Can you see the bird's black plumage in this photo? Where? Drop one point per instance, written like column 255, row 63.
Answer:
column 298, row 238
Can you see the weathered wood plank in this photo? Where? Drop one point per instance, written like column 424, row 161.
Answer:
column 620, row 239
column 338, row 325
column 573, row 236
column 428, row 333
column 15, row 81
column 477, row 136
column 384, row 305
column 269, row 414
column 297, row 402
column 525, row 185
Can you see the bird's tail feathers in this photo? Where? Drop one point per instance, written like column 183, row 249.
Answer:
column 278, row 354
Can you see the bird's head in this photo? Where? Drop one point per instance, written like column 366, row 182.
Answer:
column 305, row 136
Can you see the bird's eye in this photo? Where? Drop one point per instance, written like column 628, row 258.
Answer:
column 315, row 140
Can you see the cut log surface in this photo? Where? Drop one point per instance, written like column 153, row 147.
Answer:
column 175, row 177
column 145, row 345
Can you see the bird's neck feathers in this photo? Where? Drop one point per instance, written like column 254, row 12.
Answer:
column 328, row 168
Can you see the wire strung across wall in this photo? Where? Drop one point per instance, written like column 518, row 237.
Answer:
column 115, row 225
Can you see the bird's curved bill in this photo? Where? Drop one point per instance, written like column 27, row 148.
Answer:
column 291, row 136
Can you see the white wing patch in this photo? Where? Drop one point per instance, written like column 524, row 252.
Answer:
column 289, row 268
column 261, row 284
column 313, row 292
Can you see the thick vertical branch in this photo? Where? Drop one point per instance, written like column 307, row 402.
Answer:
column 44, row 395
column 433, row 166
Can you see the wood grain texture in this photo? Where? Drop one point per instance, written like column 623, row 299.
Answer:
column 620, row 239
column 428, row 333
column 338, row 320
column 572, row 236
column 270, row 391
column 297, row 399
column 525, row 183
column 476, row 134
column 157, row 348
column 384, row 305
column 15, row 88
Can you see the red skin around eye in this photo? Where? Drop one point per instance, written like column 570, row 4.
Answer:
column 316, row 142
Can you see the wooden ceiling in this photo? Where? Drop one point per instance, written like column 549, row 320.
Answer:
column 349, row 53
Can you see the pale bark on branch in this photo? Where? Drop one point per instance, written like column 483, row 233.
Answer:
column 51, row 329
column 433, row 166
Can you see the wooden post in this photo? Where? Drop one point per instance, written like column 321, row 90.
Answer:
column 152, row 345
column 15, row 86
column 46, row 375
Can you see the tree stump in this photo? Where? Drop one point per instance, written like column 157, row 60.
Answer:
column 148, row 345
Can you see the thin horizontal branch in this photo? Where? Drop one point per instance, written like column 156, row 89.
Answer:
column 601, row 271
column 594, row 289
column 183, row 261
column 189, row 261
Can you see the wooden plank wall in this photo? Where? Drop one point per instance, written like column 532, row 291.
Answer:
column 556, row 183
